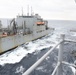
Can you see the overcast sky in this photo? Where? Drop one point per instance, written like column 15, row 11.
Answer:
column 48, row 9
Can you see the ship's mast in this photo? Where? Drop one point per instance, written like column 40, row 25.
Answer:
column 22, row 11
column 31, row 11
column 0, row 24
column 28, row 10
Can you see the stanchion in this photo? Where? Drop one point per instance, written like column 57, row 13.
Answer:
column 60, row 55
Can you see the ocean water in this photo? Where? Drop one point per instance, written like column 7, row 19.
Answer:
column 63, row 24
column 33, row 50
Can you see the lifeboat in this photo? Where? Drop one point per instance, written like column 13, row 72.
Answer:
column 40, row 23
column 4, row 34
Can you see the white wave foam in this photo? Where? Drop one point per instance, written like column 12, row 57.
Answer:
column 73, row 70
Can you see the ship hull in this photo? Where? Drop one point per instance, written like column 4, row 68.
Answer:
column 9, row 42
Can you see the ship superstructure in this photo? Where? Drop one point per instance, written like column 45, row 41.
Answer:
column 21, row 30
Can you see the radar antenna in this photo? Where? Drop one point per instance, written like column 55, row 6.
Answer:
column 31, row 11
column 22, row 11
column 28, row 10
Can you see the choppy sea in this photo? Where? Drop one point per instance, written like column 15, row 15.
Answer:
column 17, row 61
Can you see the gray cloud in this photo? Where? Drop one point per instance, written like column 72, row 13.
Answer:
column 51, row 8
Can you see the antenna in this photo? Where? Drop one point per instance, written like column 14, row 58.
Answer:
column 22, row 11
column 28, row 10
column 31, row 11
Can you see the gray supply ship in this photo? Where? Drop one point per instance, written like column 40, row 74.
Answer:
column 21, row 30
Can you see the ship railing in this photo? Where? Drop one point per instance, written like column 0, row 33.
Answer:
column 58, row 68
